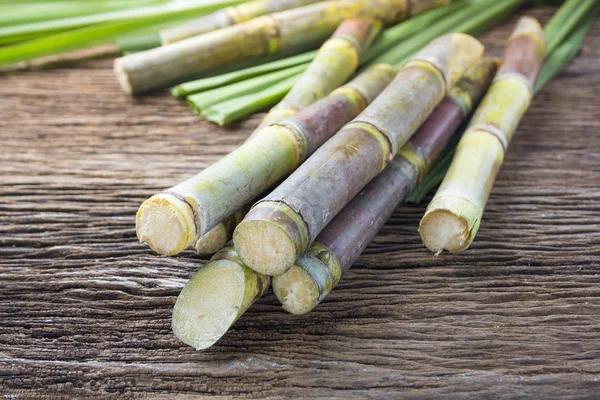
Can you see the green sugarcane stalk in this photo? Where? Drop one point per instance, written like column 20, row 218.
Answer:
column 453, row 217
column 382, row 43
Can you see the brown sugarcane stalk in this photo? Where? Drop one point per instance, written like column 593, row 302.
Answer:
column 454, row 215
column 284, row 31
column 229, row 16
column 337, row 247
column 172, row 220
column 281, row 227
column 214, row 298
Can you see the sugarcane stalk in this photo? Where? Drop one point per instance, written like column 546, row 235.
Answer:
column 171, row 221
column 335, row 62
column 269, row 34
column 454, row 215
column 281, row 227
column 227, row 17
column 337, row 247
column 218, row 236
column 214, row 298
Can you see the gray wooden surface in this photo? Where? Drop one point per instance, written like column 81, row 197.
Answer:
column 85, row 309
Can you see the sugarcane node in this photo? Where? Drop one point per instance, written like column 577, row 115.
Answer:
column 166, row 223
column 525, row 52
column 472, row 86
column 451, row 54
column 336, row 60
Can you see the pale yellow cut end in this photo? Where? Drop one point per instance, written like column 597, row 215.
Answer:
column 264, row 246
column 296, row 291
column 209, row 304
column 166, row 224
column 122, row 76
column 442, row 230
column 213, row 240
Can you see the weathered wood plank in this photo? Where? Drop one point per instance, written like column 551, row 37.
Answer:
column 85, row 309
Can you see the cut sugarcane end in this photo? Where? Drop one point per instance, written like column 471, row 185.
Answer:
column 212, row 241
column 166, row 224
column 443, row 230
column 209, row 304
column 296, row 291
column 123, row 76
column 264, row 246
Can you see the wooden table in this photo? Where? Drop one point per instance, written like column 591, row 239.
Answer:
column 85, row 309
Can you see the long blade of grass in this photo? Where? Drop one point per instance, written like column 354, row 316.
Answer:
column 231, row 110
column 85, row 37
column 565, row 52
column 203, row 100
column 138, row 42
column 44, row 11
column 18, row 33
column 564, row 21
column 201, row 85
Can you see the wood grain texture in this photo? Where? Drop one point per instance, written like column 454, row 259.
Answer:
column 85, row 308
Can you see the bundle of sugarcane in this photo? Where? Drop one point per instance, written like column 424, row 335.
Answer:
column 284, row 224
column 171, row 221
column 281, row 227
column 270, row 34
column 223, row 290
column 338, row 246
column 481, row 19
column 453, row 217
